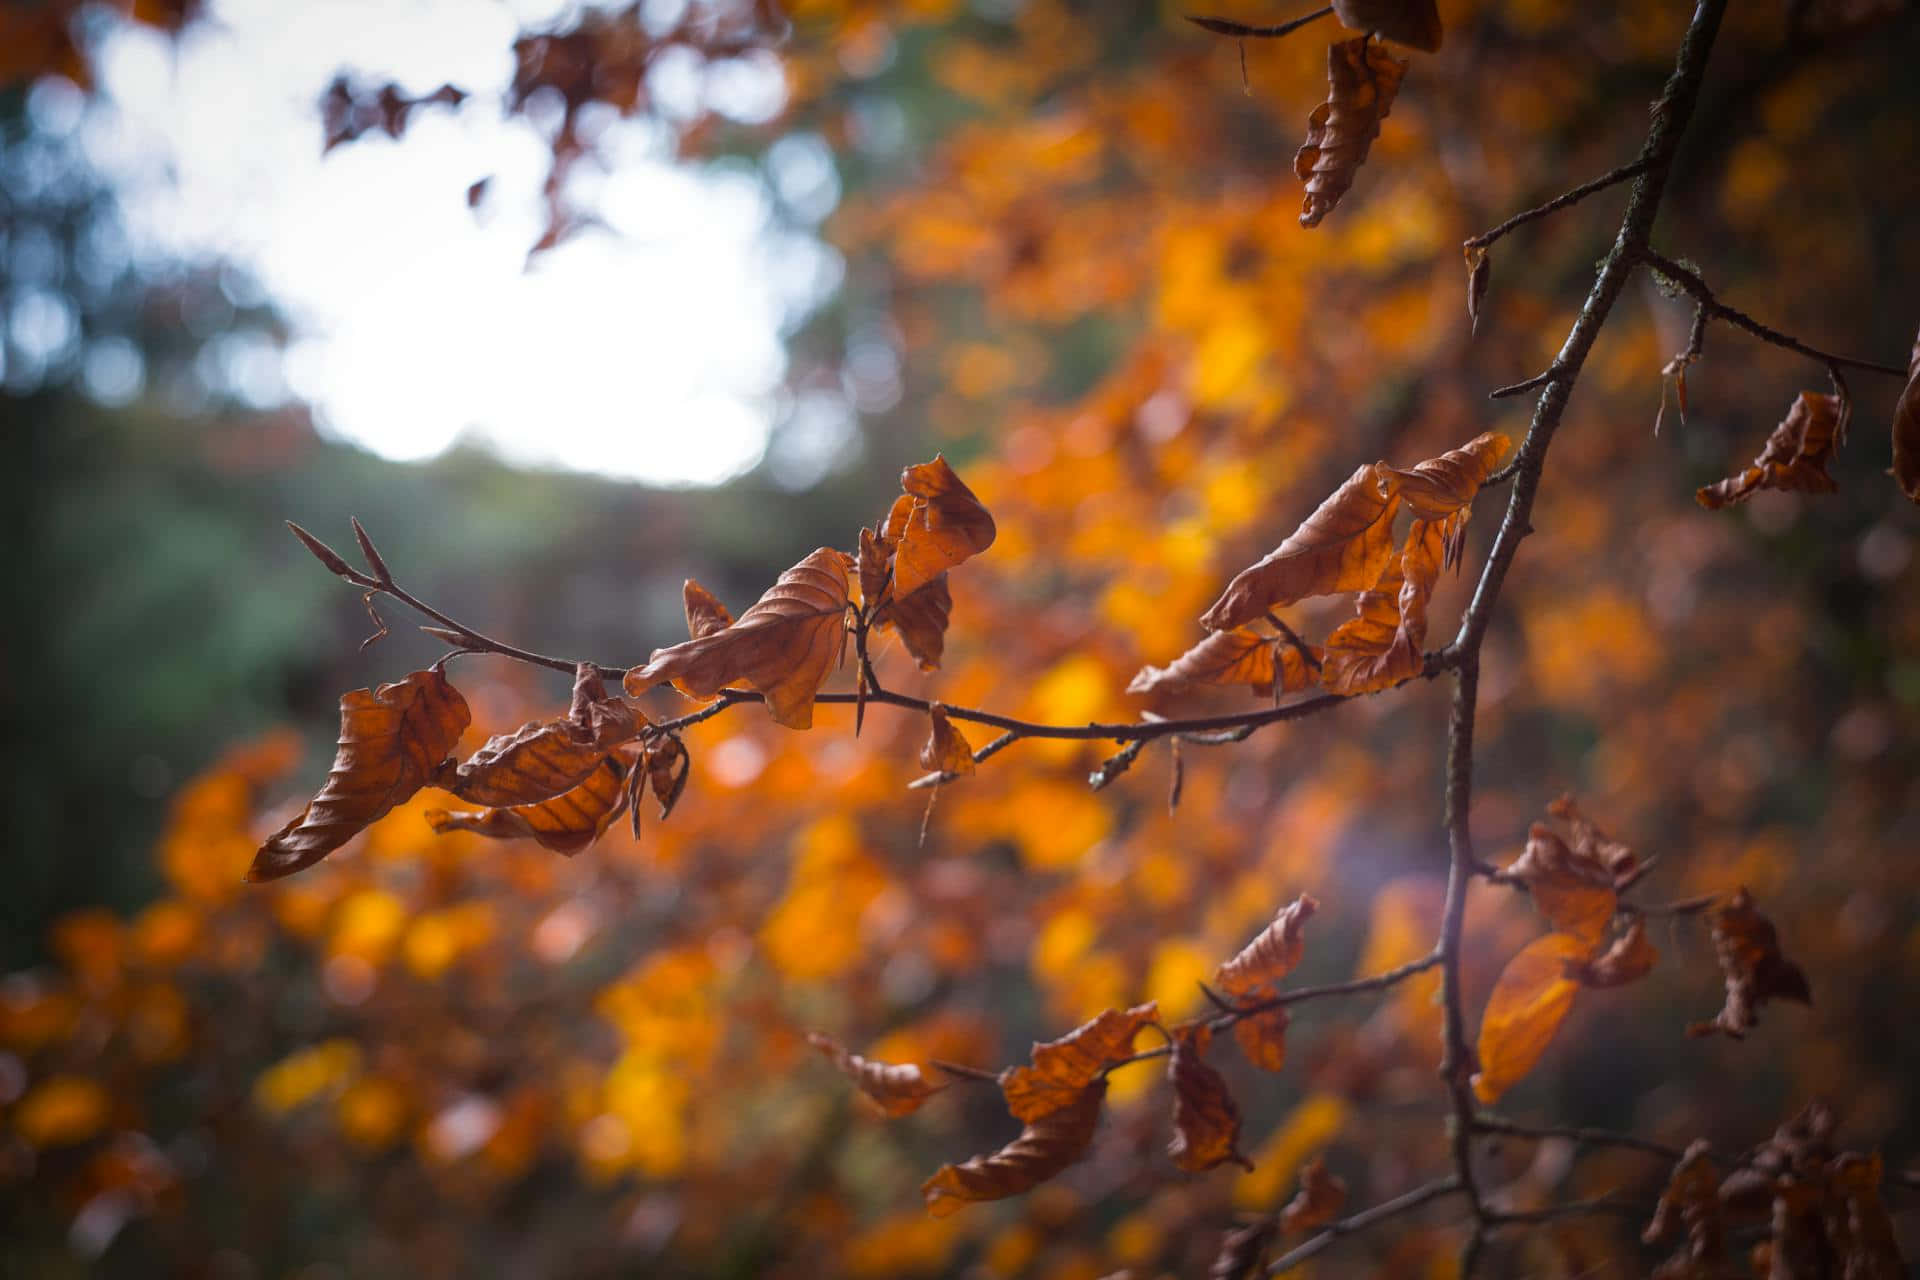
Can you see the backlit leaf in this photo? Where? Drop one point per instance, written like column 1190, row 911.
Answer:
column 940, row 525
column 1795, row 457
column 1273, row 954
column 1385, row 643
column 1320, row 1199
column 1362, row 81
column 1063, row 1068
column 705, row 613
column 566, row 823
column 393, row 741
column 1438, row 487
column 1342, row 546
column 1262, row 1038
column 1753, row 967
column 1049, row 1144
column 1574, row 892
column 898, row 1089
column 1206, row 1120
column 921, row 619
column 543, row 759
column 785, row 645
column 1529, row 1001
column 946, row 749
column 1239, row 656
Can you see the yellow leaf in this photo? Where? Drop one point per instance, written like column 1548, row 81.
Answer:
column 1529, row 1001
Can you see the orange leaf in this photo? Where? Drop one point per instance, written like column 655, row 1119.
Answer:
column 1589, row 841
column 1906, row 430
column 1262, row 1038
column 1795, row 457
column 1529, row 1001
column 1438, row 487
column 566, row 823
column 1273, row 954
column 1751, row 962
column 898, row 1089
column 1342, row 546
column 921, row 619
column 705, row 613
column 1320, row 1199
column 667, row 765
column 947, row 749
column 941, row 525
column 1411, row 22
column 1573, row 891
column 1063, row 1068
column 1206, row 1120
column 1240, row 656
column 542, row 759
column 393, row 741
column 784, row 646
column 1046, row 1146
column 1384, row 644
column 1362, row 80
column 1630, row 958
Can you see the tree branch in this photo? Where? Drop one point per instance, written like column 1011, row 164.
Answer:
column 1361, row 1221
column 1575, row 196
column 1228, row 27
column 1586, row 1137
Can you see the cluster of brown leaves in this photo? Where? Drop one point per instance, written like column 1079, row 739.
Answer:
column 1748, row 948
column 1346, row 545
column 1822, row 1209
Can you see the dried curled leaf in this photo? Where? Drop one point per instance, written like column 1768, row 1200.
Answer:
column 667, row 766
column 937, row 525
column 1362, row 81
column 1063, row 1068
column 1795, row 457
column 1755, row 971
column 1243, row 1251
column 898, row 1089
column 1262, row 1038
column 393, row 741
column 1384, row 644
column 1906, row 430
column 1589, row 841
column 1530, row 999
column 566, row 823
column 705, row 613
column 1206, row 1120
column 1274, row 952
column 1574, row 891
column 1691, row 1200
column 1319, row 1201
column 784, row 646
column 1479, row 276
column 947, row 749
column 1240, row 656
column 1415, row 23
column 1860, row 1228
column 1629, row 958
column 1438, row 487
column 543, row 759
column 921, row 619
column 1342, row 546
column 1049, row 1144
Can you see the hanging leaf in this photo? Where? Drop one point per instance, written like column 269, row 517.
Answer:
column 1438, row 487
column 1342, row 546
column 667, row 767
column 1906, row 430
column 1575, row 892
column 1479, row 275
column 946, row 749
column 705, row 613
column 1755, row 971
column 1529, row 1001
column 898, row 1089
column 937, row 525
column 1362, row 81
column 1691, row 1201
column 543, row 759
column 921, row 619
column 1206, row 1120
column 393, row 741
column 1063, row 1068
column 1415, row 23
column 1046, row 1146
column 1243, row 1251
column 1320, row 1199
column 1273, row 954
column 1262, row 1038
column 1629, row 958
column 566, row 823
column 1239, row 656
column 1795, row 457
column 1589, row 841
column 1384, row 645
column 785, row 645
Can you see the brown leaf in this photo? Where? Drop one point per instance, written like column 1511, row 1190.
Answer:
column 1438, row 487
column 1691, row 1200
column 1629, row 958
column 940, row 525
column 1755, row 971
column 898, row 1089
column 1869, row 1248
column 1384, row 644
column 705, row 613
column 1243, row 1251
column 1320, row 1200
column 1529, row 1001
column 946, row 749
column 1795, row 457
column 1063, row 1068
column 873, row 563
column 1589, row 841
column 1415, row 23
column 1262, row 1038
column 1342, row 546
column 1362, row 80
column 921, row 619
column 1906, row 430
column 1239, row 656
column 1206, row 1120
column 785, row 645
column 543, row 759
column 1479, row 275
column 1574, row 891
column 1049, row 1144
column 393, row 741
column 668, row 765
column 566, row 823
column 1273, row 954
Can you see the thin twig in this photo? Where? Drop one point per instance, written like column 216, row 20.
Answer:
column 1586, row 1137
column 1579, row 193
column 1525, row 385
column 1571, row 1209
column 1361, row 1221
column 1228, row 27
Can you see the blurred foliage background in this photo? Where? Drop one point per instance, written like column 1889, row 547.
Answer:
column 1069, row 232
